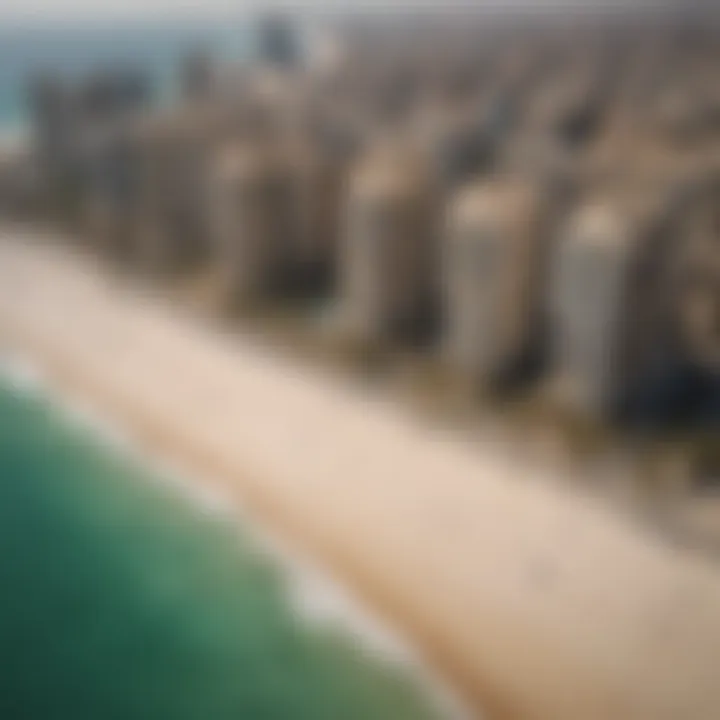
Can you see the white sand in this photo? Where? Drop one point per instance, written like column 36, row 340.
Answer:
column 535, row 602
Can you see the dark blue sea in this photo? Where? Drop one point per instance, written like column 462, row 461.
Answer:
column 152, row 47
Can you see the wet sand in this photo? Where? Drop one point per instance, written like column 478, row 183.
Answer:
column 534, row 601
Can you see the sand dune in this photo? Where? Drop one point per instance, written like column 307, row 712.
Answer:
column 535, row 602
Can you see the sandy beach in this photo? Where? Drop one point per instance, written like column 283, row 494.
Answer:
column 530, row 599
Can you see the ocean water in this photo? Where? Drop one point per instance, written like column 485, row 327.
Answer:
column 153, row 47
column 120, row 600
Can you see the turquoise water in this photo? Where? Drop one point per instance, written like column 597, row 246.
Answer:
column 120, row 600
column 73, row 50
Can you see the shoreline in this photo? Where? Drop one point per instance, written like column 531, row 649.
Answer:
column 207, row 491
column 536, row 603
column 315, row 597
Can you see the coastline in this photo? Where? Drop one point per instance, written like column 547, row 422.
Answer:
column 436, row 552
column 315, row 597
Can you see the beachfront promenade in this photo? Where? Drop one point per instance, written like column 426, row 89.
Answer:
column 537, row 603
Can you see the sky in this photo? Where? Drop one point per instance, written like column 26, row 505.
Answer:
column 44, row 10
column 52, row 11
